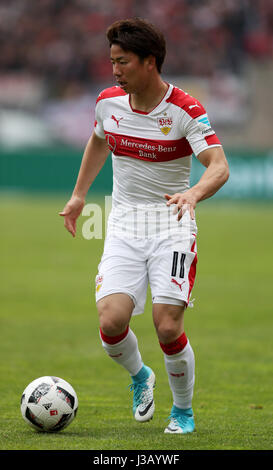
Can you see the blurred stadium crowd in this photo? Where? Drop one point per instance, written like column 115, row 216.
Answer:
column 64, row 42
column 54, row 59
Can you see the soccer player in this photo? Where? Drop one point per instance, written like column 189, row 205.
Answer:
column 152, row 129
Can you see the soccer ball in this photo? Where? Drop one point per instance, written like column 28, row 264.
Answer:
column 49, row 404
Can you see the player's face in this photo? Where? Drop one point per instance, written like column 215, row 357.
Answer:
column 131, row 73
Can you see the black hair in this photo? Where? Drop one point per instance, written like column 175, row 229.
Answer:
column 140, row 37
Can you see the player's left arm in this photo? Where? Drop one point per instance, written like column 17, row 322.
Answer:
column 214, row 177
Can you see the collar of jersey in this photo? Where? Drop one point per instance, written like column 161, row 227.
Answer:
column 167, row 94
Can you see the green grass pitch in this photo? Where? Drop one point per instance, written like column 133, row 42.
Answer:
column 49, row 326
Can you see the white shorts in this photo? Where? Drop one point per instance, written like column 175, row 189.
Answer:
column 128, row 265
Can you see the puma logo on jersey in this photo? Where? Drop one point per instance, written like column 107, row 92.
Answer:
column 177, row 283
column 116, row 120
column 194, row 106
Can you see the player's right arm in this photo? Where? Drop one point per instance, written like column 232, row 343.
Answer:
column 94, row 157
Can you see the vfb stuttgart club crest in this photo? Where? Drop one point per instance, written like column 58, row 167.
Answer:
column 165, row 124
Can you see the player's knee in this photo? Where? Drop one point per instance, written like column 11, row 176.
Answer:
column 167, row 332
column 168, row 324
column 111, row 318
column 111, row 327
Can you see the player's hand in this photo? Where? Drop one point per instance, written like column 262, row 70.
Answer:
column 71, row 212
column 183, row 202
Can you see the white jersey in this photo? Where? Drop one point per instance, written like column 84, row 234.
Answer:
column 151, row 152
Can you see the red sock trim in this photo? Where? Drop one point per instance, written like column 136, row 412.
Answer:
column 113, row 339
column 176, row 346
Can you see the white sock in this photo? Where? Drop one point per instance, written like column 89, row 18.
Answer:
column 125, row 351
column 180, row 369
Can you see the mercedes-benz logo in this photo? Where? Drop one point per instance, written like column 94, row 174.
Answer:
column 111, row 141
